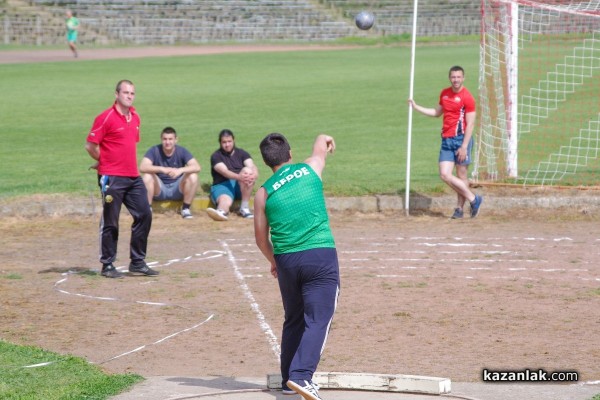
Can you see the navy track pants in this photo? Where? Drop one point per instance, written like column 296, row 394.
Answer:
column 309, row 282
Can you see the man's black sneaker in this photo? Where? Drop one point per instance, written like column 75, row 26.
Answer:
column 109, row 271
column 142, row 269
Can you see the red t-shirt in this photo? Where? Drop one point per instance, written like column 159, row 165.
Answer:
column 455, row 106
column 118, row 140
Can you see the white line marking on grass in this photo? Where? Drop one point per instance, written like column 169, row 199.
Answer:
column 253, row 304
column 39, row 365
column 160, row 340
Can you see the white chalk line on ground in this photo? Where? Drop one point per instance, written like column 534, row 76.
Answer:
column 140, row 348
column 499, row 238
column 507, row 259
column 160, row 340
column 266, row 328
column 209, row 254
column 514, row 256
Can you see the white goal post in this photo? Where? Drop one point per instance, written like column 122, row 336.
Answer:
column 539, row 93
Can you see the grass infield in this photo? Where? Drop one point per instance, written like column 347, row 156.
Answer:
column 356, row 95
column 30, row 373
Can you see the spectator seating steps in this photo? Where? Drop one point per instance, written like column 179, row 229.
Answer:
column 170, row 21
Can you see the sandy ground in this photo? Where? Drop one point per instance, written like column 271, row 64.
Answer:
column 422, row 295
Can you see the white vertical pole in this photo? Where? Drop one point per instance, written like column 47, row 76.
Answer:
column 410, row 110
column 513, row 91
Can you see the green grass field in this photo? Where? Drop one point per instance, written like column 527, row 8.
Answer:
column 30, row 373
column 356, row 95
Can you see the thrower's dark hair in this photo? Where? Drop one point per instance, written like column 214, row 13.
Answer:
column 122, row 82
column 225, row 132
column 456, row 68
column 168, row 130
column 275, row 149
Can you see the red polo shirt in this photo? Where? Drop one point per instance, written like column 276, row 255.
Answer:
column 118, row 140
column 455, row 106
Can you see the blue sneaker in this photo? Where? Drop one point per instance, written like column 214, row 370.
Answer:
column 476, row 205
column 458, row 213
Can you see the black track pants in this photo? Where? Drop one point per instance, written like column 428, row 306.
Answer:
column 116, row 191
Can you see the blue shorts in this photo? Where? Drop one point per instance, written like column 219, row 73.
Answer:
column 230, row 188
column 170, row 191
column 449, row 148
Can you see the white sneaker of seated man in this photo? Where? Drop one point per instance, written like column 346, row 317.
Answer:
column 216, row 214
column 246, row 213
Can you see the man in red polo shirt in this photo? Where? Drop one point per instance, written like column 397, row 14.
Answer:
column 457, row 105
column 112, row 142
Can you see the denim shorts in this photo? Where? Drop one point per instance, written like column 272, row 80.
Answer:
column 449, row 148
column 170, row 191
column 230, row 188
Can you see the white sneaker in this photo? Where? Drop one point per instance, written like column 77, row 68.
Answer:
column 186, row 213
column 217, row 215
column 246, row 213
column 287, row 391
column 306, row 389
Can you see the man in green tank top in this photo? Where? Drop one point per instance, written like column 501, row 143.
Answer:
column 290, row 206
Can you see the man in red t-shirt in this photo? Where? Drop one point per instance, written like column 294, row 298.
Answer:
column 112, row 142
column 457, row 105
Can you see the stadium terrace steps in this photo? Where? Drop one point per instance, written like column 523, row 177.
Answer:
column 150, row 22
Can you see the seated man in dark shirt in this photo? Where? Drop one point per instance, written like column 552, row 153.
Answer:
column 170, row 172
column 234, row 174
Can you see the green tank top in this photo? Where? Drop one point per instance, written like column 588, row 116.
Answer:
column 296, row 211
